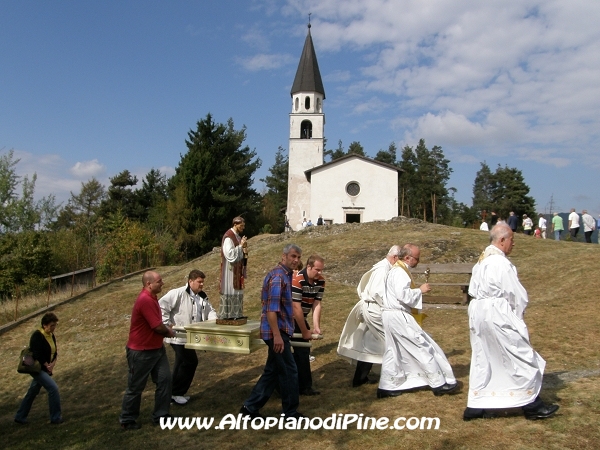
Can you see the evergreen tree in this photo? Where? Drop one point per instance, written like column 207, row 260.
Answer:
column 408, row 164
column 152, row 197
column 422, row 187
column 483, row 191
column 387, row 156
column 275, row 198
column 335, row 154
column 503, row 191
column 217, row 174
column 121, row 197
column 356, row 149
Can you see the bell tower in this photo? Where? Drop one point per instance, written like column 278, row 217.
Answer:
column 307, row 126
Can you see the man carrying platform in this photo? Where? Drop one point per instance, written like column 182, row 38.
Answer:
column 308, row 286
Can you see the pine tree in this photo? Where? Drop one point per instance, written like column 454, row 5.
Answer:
column 275, row 199
column 217, row 174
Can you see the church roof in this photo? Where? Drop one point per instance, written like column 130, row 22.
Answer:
column 308, row 76
column 308, row 172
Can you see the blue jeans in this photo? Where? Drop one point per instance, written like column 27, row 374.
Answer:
column 280, row 370
column 557, row 235
column 40, row 380
column 142, row 364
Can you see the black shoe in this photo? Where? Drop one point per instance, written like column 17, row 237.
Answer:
column 130, row 426
column 21, row 422
column 446, row 389
column 543, row 412
column 383, row 393
column 364, row 381
column 309, row 391
column 476, row 413
column 57, row 422
column 246, row 412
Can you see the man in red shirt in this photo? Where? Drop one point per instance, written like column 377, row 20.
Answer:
column 146, row 355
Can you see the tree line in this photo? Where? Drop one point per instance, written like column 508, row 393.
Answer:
column 161, row 221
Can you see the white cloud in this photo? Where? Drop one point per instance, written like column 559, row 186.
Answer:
column 88, row 169
column 477, row 74
column 264, row 61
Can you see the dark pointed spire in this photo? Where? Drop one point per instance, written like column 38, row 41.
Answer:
column 308, row 76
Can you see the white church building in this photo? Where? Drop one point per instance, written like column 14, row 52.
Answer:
column 348, row 189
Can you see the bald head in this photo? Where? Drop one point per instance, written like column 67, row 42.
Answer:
column 410, row 254
column 502, row 237
column 152, row 282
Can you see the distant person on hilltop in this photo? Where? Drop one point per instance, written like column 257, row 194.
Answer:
column 527, row 225
column 557, row 226
column 493, row 219
column 513, row 222
column 589, row 225
column 573, row 224
column 320, row 220
column 542, row 225
column 506, row 372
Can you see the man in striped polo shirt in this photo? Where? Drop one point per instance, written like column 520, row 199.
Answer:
column 308, row 286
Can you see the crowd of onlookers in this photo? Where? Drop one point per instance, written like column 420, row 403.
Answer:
column 556, row 226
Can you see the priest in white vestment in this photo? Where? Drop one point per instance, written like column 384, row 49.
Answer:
column 412, row 358
column 234, row 257
column 506, row 372
column 363, row 340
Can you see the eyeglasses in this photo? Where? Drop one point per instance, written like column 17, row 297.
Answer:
column 416, row 259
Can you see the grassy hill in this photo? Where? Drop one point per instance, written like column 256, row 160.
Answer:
column 563, row 285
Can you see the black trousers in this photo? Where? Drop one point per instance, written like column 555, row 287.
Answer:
column 184, row 369
column 361, row 373
column 588, row 236
column 301, row 356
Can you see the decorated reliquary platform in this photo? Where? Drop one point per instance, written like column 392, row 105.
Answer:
column 208, row 335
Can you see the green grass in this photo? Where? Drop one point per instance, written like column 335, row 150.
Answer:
column 91, row 372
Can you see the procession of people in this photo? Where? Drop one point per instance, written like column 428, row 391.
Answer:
column 384, row 328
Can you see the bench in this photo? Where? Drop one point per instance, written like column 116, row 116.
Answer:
column 438, row 271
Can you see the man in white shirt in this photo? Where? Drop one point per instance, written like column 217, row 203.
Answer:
column 412, row 358
column 506, row 372
column 573, row 224
column 542, row 225
column 589, row 225
column 183, row 306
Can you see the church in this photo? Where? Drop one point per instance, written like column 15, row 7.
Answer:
column 349, row 189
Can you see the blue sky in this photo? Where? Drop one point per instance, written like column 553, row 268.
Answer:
column 93, row 88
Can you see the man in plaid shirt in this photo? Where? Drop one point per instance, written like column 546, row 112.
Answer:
column 276, row 329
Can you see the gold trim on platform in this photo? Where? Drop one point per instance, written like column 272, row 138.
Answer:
column 210, row 336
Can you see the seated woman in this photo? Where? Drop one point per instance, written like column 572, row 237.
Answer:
column 43, row 346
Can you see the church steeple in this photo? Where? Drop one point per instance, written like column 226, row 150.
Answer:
column 308, row 76
column 307, row 133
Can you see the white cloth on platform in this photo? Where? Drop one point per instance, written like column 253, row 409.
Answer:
column 505, row 370
column 363, row 338
column 412, row 358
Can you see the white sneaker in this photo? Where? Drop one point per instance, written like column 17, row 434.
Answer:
column 180, row 400
column 311, row 358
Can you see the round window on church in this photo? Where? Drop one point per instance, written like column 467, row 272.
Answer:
column 353, row 189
